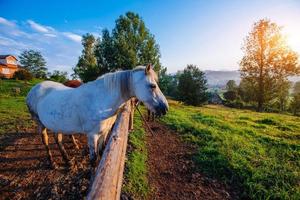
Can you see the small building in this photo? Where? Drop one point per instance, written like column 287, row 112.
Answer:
column 8, row 66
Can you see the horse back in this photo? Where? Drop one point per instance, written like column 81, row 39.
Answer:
column 39, row 91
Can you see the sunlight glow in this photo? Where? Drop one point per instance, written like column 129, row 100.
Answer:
column 293, row 37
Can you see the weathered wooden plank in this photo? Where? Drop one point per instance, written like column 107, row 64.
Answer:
column 108, row 179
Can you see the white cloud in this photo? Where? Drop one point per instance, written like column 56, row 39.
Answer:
column 39, row 28
column 7, row 22
column 60, row 49
column 73, row 36
column 50, row 35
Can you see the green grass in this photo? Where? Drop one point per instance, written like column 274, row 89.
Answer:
column 136, row 184
column 6, row 87
column 13, row 111
column 257, row 152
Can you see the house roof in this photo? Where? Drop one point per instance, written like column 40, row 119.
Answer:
column 9, row 65
column 5, row 56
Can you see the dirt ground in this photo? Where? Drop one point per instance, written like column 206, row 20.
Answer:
column 172, row 174
column 25, row 173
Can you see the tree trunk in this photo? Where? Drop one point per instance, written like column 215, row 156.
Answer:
column 261, row 66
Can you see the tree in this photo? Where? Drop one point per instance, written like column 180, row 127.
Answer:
column 282, row 93
column 33, row 62
column 231, row 85
column 296, row 89
column 267, row 61
column 134, row 44
column 192, row 86
column 130, row 44
column 168, row 83
column 23, row 74
column 295, row 103
column 105, row 53
column 86, row 67
column 58, row 76
column 230, row 95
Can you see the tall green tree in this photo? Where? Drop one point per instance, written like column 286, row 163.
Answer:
column 282, row 93
column 295, row 103
column 134, row 44
column 192, row 86
column 34, row 62
column 168, row 83
column 267, row 61
column 105, row 53
column 87, row 68
column 231, row 85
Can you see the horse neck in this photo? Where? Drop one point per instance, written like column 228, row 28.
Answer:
column 119, row 85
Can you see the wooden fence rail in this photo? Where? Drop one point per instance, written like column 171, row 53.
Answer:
column 109, row 174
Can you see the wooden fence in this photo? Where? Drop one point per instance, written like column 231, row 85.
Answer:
column 109, row 174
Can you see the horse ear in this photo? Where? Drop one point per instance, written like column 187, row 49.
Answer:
column 148, row 68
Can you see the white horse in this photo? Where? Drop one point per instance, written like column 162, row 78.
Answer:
column 88, row 108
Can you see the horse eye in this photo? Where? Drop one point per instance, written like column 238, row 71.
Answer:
column 153, row 86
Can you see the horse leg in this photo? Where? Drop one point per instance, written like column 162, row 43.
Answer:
column 58, row 139
column 45, row 140
column 152, row 115
column 93, row 146
column 74, row 142
column 101, row 142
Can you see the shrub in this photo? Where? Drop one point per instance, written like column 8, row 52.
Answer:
column 23, row 75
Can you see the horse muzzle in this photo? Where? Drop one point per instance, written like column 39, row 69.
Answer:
column 161, row 109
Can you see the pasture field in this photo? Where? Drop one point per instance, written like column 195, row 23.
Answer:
column 257, row 152
column 13, row 111
column 14, row 117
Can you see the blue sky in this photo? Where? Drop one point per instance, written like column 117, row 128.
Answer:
column 206, row 33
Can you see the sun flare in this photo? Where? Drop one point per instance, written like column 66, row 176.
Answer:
column 293, row 37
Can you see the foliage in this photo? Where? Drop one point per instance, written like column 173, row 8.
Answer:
column 134, row 44
column 231, row 85
column 86, row 67
column 23, row 74
column 267, row 62
column 295, row 103
column 296, row 89
column 168, row 83
column 257, row 152
column 230, row 95
column 34, row 62
column 192, row 86
column 105, row 53
column 58, row 76
column 130, row 44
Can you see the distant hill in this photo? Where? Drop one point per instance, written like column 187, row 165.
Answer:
column 218, row 79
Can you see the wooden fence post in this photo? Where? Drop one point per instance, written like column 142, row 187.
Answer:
column 109, row 175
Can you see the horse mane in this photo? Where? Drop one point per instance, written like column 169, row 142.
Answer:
column 121, row 80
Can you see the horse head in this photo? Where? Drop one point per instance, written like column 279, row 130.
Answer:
column 144, row 83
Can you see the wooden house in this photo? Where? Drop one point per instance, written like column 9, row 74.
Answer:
column 8, row 66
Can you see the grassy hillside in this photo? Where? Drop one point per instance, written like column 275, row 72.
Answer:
column 13, row 111
column 259, row 152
